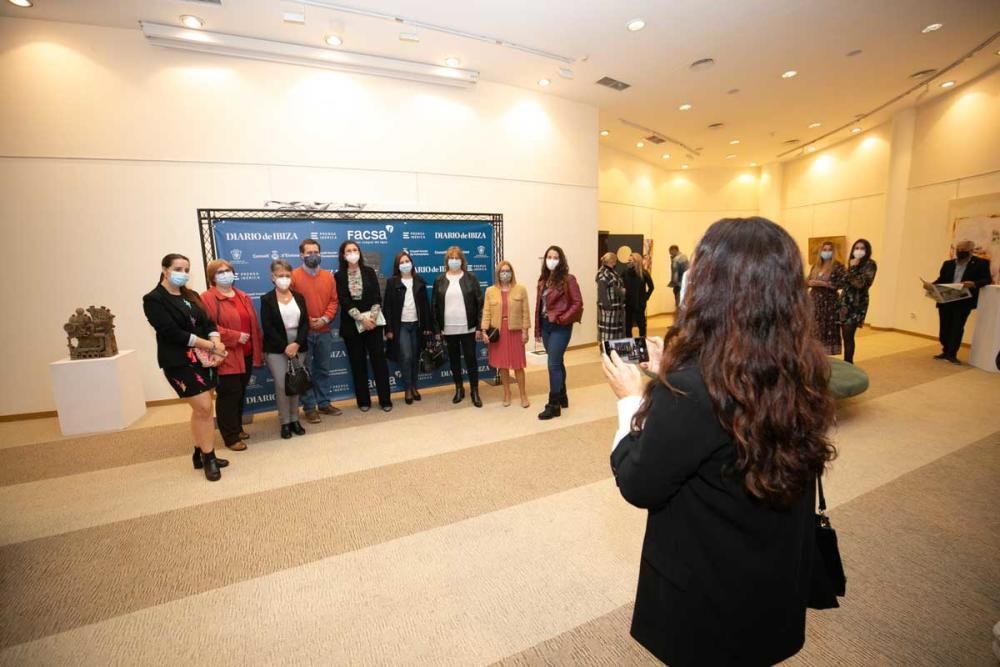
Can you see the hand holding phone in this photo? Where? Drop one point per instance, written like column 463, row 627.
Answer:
column 630, row 350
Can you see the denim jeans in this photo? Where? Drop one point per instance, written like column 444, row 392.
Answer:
column 409, row 355
column 555, row 338
column 320, row 368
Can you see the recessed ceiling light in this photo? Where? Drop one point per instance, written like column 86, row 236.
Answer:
column 666, row 156
column 813, row 126
column 635, row 25
column 753, row 164
column 684, row 107
column 684, row 166
column 948, row 84
column 543, row 82
column 934, row 27
column 452, row 62
column 411, row 37
column 566, row 73
column 855, row 130
column 334, row 40
column 21, row 3
column 855, row 52
column 810, row 149
column 293, row 17
column 604, row 133
column 789, row 74
column 192, row 22
column 639, row 144
column 730, row 156
column 734, row 142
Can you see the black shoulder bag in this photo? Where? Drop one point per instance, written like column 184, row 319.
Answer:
column 828, row 580
column 297, row 380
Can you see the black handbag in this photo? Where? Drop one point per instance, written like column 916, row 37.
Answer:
column 492, row 334
column 432, row 357
column 828, row 580
column 297, row 380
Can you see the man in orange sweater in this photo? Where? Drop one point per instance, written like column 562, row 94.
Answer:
column 320, row 291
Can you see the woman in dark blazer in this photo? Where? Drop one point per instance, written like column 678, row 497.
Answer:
column 408, row 320
column 362, row 325
column 723, row 449
column 638, row 288
column 182, row 327
column 457, row 304
column 285, row 323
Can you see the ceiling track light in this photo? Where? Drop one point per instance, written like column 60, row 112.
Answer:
column 191, row 21
column 254, row 48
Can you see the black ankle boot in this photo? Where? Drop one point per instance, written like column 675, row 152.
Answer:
column 563, row 399
column 551, row 408
column 286, row 431
column 459, row 394
column 211, row 465
column 474, row 394
column 297, row 428
column 198, row 465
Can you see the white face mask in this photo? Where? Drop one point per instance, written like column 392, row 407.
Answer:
column 551, row 264
column 352, row 257
column 826, row 254
column 505, row 276
column 859, row 253
column 405, row 268
column 225, row 278
column 283, row 283
column 454, row 264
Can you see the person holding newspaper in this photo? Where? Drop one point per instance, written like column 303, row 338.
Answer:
column 972, row 273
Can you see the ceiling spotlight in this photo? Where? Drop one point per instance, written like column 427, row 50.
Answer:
column 666, row 156
column 334, row 40
column 753, row 164
column 639, row 144
column 730, row 156
column 189, row 21
column 411, row 37
column 684, row 166
column 21, row 3
column 566, row 73
column 813, row 126
column 452, row 62
column 684, row 107
column 734, row 142
column 604, row 133
column 635, row 25
column 543, row 82
column 810, row 149
column 789, row 74
column 934, row 27
column 948, row 84
column 855, row 130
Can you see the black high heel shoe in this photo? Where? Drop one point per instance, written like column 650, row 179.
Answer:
column 297, row 428
column 198, row 465
column 211, row 465
column 459, row 394
column 408, row 398
column 286, row 431
column 416, row 394
column 474, row 394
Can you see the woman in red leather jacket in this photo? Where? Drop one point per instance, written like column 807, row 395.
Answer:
column 558, row 305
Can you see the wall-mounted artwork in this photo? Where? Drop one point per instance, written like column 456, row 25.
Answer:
column 977, row 219
column 839, row 248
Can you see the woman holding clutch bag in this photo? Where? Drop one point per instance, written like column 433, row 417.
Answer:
column 506, row 320
column 457, row 305
column 284, row 320
column 187, row 349
column 362, row 325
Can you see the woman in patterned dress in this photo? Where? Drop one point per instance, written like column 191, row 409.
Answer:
column 824, row 280
column 855, row 283
column 610, row 300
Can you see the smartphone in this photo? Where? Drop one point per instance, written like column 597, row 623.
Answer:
column 631, row 350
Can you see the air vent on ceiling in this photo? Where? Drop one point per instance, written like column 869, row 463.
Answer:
column 715, row 126
column 613, row 84
column 653, row 139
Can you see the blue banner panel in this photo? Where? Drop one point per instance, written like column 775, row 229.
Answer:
column 251, row 244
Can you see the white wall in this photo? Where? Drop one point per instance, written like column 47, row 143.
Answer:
column 671, row 207
column 109, row 146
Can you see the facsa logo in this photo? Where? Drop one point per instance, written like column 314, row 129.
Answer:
column 367, row 235
column 389, row 228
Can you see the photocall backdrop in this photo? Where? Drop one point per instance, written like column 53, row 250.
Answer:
column 251, row 239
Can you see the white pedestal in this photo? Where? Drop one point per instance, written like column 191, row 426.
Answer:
column 986, row 339
column 94, row 395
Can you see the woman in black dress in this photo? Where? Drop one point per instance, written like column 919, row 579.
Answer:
column 638, row 289
column 183, row 330
column 856, row 281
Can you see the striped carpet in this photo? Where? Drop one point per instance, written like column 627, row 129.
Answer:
column 441, row 534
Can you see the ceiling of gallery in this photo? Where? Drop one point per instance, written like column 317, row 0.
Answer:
column 850, row 56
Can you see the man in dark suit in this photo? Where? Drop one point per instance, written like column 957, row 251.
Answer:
column 973, row 273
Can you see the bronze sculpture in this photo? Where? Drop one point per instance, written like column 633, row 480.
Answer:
column 91, row 333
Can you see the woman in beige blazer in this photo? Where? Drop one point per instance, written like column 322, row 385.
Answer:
column 506, row 311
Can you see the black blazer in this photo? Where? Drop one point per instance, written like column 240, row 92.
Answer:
column 392, row 307
column 637, row 290
column 977, row 271
column 723, row 580
column 174, row 323
column 370, row 296
column 273, row 326
column 471, row 292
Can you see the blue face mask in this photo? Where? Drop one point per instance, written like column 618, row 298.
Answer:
column 312, row 261
column 178, row 278
column 225, row 278
column 405, row 268
column 454, row 264
column 826, row 254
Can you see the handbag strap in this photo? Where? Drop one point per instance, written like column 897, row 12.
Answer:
column 819, row 493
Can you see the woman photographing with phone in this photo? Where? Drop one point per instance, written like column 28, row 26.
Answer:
column 187, row 349
column 723, row 448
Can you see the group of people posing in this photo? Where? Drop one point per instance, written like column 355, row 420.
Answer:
column 840, row 295
column 213, row 340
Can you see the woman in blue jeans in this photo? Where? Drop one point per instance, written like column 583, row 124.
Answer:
column 408, row 320
column 558, row 305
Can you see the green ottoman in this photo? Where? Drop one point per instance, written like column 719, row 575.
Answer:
column 846, row 379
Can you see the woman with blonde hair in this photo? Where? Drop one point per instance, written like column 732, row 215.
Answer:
column 457, row 308
column 506, row 313
column 638, row 288
column 610, row 299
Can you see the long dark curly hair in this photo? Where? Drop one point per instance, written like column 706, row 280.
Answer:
column 746, row 322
